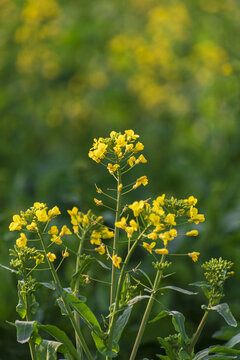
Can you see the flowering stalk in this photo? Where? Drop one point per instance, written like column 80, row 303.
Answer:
column 116, row 236
column 147, row 310
column 28, row 318
column 76, row 291
column 67, row 307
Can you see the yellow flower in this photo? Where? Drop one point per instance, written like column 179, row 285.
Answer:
column 191, row 200
column 73, row 212
column 133, row 224
column 56, row 239
column 170, row 219
column 54, row 212
column 112, row 168
column 38, row 205
column 159, row 227
column 194, row 255
column 42, row 215
column 141, row 181
column 131, row 161
column 95, row 238
column 138, row 147
column 51, row 256
column 162, row 251
column 85, row 220
column 116, row 261
column 137, row 207
column 22, row 241
column 194, row 216
column 32, row 226
column 130, row 135
column 107, row 234
column 53, row 231
column 65, row 253
column 192, row 233
column 39, row 259
column 17, row 223
column 129, row 147
column 168, row 236
column 152, row 236
column 98, row 202
column 155, row 219
column 118, row 151
column 101, row 249
column 121, row 140
column 141, row 159
column 149, row 247
column 122, row 223
column 65, row 231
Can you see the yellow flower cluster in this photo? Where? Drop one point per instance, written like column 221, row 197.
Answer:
column 118, row 146
column 78, row 219
column 33, row 217
column 122, row 224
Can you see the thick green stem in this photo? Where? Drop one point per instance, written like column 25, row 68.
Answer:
column 67, row 307
column 198, row 332
column 147, row 311
column 76, row 291
column 115, row 241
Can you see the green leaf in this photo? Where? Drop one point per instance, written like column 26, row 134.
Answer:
column 175, row 288
column 161, row 315
column 47, row 285
column 234, row 341
column 204, row 286
column 85, row 313
column 48, row 349
column 61, row 336
column 102, row 348
column 25, row 329
column 138, row 298
column 167, row 347
column 224, row 350
column 178, row 322
column 146, row 276
column 121, row 323
column 204, row 355
column 225, row 333
column 163, row 357
column 224, row 311
column 9, row 269
column 62, row 307
column 21, row 307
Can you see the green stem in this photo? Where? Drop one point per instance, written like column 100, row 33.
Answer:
column 198, row 332
column 28, row 318
column 147, row 311
column 115, row 241
column 68, row 309
column 76, row 291
column 118, row 293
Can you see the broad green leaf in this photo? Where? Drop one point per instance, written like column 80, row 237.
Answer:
column 203, row 285
column 204, row 355
column 225, row 333
column 25, row 329
column 48, row 349
column 121, row 323
column 224, row 350
column 175, row 288
column 161, row 315
column 85, row 313
column 167, row 347
column 9, row 269
column 101, row 346
column 163, row 357
column 61, row 336
column 224, row 311
column 178, row 322
column 21, row 307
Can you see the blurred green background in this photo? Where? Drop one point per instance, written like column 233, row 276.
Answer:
column 71, row 71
